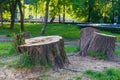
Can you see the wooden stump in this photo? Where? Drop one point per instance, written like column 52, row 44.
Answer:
column 91, row 40
column 86, row 36
column 103, row 43
column 48, row 50
column 20, row 38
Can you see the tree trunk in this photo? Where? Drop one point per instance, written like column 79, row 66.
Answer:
column 86, row 36
column 46, row 17
column 46, row 50
column 1, row 16
column 64, row 13
column 59, row 18
column 13, row 9
column 59, row 15
column 53, row 18
column 89, row 16
column 89, row 11
column 103, row 43
column 90, row 40
column 21, row 15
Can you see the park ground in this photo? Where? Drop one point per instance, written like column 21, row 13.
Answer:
column 80, row 68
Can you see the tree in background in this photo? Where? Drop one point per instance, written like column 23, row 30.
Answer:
column 1, row 16
column 46, row 16
column 21, row 14
column 13, row 7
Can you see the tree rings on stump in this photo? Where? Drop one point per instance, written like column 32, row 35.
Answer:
column 48, row 50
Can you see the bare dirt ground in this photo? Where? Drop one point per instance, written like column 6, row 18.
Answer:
column 77, row 64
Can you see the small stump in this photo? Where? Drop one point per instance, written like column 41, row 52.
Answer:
column 47, row 50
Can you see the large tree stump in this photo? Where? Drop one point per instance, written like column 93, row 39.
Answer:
column 48, row 50
column 103, row 43
column 91, row 40
column 86, row 36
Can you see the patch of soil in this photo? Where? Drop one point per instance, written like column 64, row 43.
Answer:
column 76, row 68
column 79, row 64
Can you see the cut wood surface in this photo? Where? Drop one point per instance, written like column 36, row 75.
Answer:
column 47, row 50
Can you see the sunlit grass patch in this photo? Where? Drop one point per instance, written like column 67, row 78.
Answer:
column 71, row 49
column 108, row 74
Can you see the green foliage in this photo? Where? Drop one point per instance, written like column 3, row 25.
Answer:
column 71, row 49
column 108, row 74
column 1, row 63
column 6, row 49
column 24, row 61
column 75, row 78
column 117, row 52
column 99, row 55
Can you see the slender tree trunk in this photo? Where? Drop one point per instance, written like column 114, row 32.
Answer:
column 53, row 18
column 59, row 16
column 112, row 20
column 46, row 17
column 89, row 12
column 13, row 9
column 21, row 15
column 1, row 16
column 63, row 13
column 36, row 10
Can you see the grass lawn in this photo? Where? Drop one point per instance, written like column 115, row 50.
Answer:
column 108, row 74
column 6, row 49
column 67, row 31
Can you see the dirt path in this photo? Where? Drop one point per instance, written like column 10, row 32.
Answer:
column 80, row 64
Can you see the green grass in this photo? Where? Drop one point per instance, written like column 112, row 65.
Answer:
column 99, row 55
column 108, row 74
column 117, row 52
column 6, row 49
column 71, row 49
column 65, row 30
column 114, row 34
column 75, row 78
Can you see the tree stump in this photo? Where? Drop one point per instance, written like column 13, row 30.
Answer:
column 20, row 38
column 47, row 50
column 91, row 40
column 86, row 36
column 103, row 43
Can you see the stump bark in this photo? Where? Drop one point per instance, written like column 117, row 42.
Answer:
column 103, row 43
column 86, row 36
column 47, row 50
column 20, row 38
column 91, row 40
